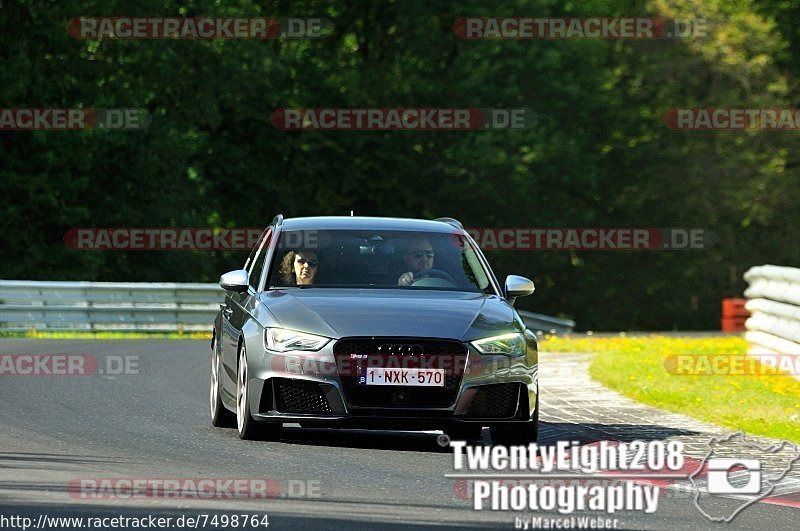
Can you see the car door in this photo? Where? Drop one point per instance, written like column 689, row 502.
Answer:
column 237, row 308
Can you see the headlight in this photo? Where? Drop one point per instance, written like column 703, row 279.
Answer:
column 281, row 340
column 512, row 344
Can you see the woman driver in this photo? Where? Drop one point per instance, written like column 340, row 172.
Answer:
column 298, row 268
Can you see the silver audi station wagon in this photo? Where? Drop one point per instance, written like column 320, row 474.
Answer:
column 384, row 323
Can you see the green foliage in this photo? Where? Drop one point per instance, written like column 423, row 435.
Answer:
column 598, row 156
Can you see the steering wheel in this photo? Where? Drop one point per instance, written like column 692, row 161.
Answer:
column 432, row 273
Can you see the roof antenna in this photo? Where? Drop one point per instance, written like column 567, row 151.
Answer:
column 351, row 213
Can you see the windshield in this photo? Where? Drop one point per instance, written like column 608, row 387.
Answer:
column 377, row 259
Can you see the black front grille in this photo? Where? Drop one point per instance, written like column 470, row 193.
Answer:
column 300, row 396
column 495, row 401
column 354, row 355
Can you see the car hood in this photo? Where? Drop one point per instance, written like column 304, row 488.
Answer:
column 337, row 313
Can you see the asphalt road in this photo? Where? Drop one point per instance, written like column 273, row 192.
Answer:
column 56, row 430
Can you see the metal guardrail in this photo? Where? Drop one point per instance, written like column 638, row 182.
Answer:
column 130, row 306
column 544, row 324
column 123, row 306
column 774, row 303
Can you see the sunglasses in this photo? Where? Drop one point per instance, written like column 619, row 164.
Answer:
column 420, row 254
column 301, row 261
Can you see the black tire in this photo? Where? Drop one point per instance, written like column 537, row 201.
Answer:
column 221, row 417
column 248, row 427
column 514, row 434
column 519, row 433
column 464, row 432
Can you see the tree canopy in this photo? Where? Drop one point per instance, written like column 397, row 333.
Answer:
column 598, row 155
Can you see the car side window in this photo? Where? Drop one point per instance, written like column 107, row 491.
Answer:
column 474, row 269
column 257, row 264
column 248, row 264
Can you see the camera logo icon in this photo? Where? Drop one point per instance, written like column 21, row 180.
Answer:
column 720, row 471
column 743, row 481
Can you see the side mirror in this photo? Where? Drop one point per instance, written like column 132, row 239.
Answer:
column 236, row 280
column 517, row 286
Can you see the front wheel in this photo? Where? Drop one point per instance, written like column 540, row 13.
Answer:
column 514, row 434
column 220, row 416
column 519, row 433
column 249, row 428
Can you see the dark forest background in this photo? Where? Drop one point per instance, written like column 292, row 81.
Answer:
column 599, row 154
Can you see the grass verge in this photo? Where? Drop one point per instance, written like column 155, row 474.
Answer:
column 758, row 401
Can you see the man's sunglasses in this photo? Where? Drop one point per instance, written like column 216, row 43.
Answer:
column 301, row 261
column 420, row 254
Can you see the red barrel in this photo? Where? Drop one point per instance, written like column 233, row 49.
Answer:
column 734, row 315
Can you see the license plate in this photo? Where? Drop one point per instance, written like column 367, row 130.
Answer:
column 411, row 377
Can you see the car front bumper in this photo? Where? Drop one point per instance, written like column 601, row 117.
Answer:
column 313, row 388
